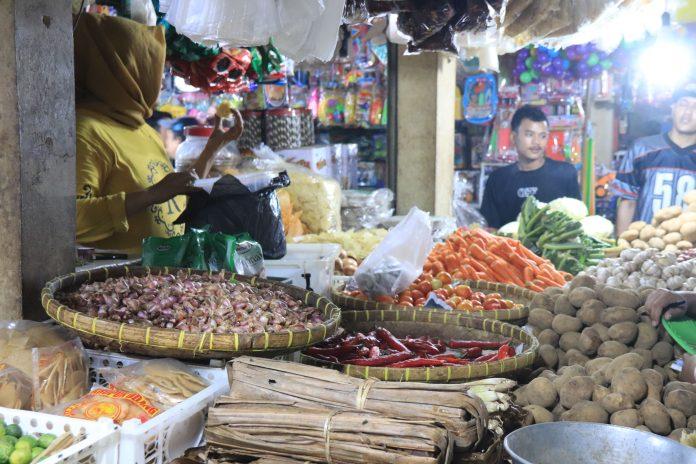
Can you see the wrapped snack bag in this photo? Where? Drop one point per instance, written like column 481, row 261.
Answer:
column 114, row 404
column 15, row 388
column 165, row 382
column 50, row 357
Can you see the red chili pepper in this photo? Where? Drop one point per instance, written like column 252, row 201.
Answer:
column 445, row 356
column 387, row 337
column 458, row 362
column 418, row 362
column 374, row 352
column 487, row 357
column 473, row 352
column 420, row 346
column 505, row 351
column 331, row 359
column 380, row 361
column 334, row 351
column 486, row 345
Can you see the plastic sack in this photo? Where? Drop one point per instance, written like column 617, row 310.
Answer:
column 165, row 382
column 465, row 212
column 114, row 404
column 16, row 389
column 366, row 209
column 399, row 259
column 231, row 208
column 50, row 357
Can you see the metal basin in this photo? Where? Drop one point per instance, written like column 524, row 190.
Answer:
column 586, row 443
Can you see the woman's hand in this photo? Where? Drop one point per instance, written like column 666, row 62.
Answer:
column 220, row 136
column 173, row 184
column 659, row 300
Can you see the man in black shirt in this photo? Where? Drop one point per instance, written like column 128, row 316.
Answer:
column 533, row 174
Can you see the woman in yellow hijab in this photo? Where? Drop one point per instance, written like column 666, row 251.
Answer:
column 126, row 187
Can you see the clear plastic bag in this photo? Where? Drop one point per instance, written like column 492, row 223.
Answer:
column 364, row 210
column 399, row 259
column 15, row 389
column 53, row 360
column 165, row 382
column 465, row 212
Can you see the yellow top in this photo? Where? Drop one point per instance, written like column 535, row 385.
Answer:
column 112, row 160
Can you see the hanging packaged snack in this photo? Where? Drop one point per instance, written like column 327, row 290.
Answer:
column 165, row 382
column 51, row 359
column 15, row 388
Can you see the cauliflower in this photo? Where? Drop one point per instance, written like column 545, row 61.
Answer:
column 597, row 227
column 574, row 208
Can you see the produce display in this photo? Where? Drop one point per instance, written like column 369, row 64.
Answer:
column 40, row 365
column 16, row 447
column 636, row 268
column 558, row 235
column 671, row 229
column 381, row 348
column 195, row 303
column 606, row 361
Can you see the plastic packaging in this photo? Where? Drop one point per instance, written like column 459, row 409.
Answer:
column 190, row 149
column 117, row 405
column 53, row 361
column 466, row 213
column 15, row 389
column 231, row 208
column 399, row 259
column 165, row 382
column 365, row 209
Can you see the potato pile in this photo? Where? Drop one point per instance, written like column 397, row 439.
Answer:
column 672, row 229
column 606, row 362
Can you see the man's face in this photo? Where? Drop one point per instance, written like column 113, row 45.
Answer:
column 530, row 139
column 171, row 142
column 684, row 115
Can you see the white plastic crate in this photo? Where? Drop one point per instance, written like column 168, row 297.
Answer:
column 100, row 445
column 307, row 263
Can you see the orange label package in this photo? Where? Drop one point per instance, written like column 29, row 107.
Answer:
column 117, row 405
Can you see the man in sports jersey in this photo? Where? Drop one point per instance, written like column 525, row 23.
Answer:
column 659, row 169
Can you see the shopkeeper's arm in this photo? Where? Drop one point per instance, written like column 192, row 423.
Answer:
column 217, row 140
column 670, row 304
column 624, row 215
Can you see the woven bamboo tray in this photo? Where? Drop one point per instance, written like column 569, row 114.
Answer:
column 446, row 325
column 513, row 292
column 154, row 341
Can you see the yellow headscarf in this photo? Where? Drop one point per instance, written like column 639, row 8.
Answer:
column 118, row 67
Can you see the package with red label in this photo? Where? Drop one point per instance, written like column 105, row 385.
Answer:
column 117, row 405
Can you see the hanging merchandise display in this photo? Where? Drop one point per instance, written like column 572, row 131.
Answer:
column 480, row 99
column 223, row 72
column 534, row 64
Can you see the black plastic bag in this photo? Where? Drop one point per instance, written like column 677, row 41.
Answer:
column 231, row 208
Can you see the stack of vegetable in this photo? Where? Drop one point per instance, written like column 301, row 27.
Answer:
column 557, row 236
column 19, row 448
column 651, row 268
column 613, row 365
column 381, row 348
column 672, row 229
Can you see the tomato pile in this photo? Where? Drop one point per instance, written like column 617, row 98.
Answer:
column 381, row 348
column 457, row 296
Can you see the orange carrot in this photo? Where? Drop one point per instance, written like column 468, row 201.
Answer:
column 529, row 255
column 528, row 274
column 451, row 263
column 477, row 252
column 476, row 265
column 533, row 287
column 546, row 281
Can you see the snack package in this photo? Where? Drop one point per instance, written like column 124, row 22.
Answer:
column 165, row 382
column 114, row 404
column 399, row 259
column 49, row 356
column 15, row 389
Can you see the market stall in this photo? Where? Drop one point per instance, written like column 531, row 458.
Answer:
column 290, row 317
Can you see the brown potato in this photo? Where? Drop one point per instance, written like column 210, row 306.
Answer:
column 671, row 225
column 678, row 418
column 612, row 349
column 647, row 336
column 589, row 341
column 602, row 330
column 583, row 280
column 579, row 295
column 688, row 230
column 630, row 235
column 656, row 417
column 615, row 314
column 646, row 233
column 540, row 318
column 691, row 422
column 563, row 306
column 682, row 400
column 626, row 418
column 641, row 245
column 599, row 392
column 548, row 355
column 629, row 382
column 586, row 411
column 662, row 353
column 548, row 337
column 637, row 225
column 626, row 360
column 668, row 213
column 614, row 402
column 684, row 244
column 558, row 411
column 647, row 357
column 553, row 291
column 569, row 341
column 574, row 356
column 624, row 332
column 539, row 414
column 656, row 242
column 590, row 312
column 672, row 238
column 541, row 300
column 676, row 385
column 563, row 323
column 612, row 296
column 596, row 364
column 541, row 392
column 577, row 389
column 654, row 381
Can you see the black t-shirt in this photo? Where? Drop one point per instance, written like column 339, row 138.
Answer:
column 508, row 187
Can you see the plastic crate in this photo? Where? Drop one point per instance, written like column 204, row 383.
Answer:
column 100, row 445
column 307, row 265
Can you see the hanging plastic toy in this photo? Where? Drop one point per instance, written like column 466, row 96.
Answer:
column 480, row 98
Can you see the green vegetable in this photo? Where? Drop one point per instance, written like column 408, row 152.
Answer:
column 35, row 451
column 23, row 445
column 27, row 439
column 573, row 208
column 46, row 439
column 6, row 450
column 20, row 456
column 9, row 439
column 2, row 429
column 14, row 430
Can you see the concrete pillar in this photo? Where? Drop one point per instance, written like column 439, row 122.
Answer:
column 425, row 117
column 37, row 151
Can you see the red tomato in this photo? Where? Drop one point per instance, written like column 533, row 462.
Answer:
column 426, row 277
column 465, row 305
column 419, row 302
column 449, row 289
column 454, row 301
column 406, row 299
column 441, row 294
column 491, row 304
column 479, row 296
column 384, row 299
column 458, row 276
column 405, row 293
column 445, row 277
column 508, row 304
column 408, row 304
column 492, row 296
column 425, row 288
column 463, row 291
column 417, row 295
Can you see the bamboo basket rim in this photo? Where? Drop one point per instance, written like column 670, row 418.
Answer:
column 438, row 373
column 515, row 314
column 158, row 340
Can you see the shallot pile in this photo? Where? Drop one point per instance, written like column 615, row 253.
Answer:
column 195, row 303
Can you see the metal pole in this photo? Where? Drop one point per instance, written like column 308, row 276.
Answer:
column 392, row 130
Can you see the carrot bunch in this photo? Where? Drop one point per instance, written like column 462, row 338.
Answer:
column 478, row 255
